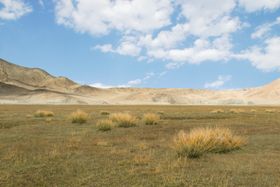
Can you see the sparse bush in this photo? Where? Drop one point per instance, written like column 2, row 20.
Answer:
column 151, row 119
column 43, row 113
column 203, row 140
column 123, row 120
column 104, row 125
column 104, row 113
column 79, row 117
column 217, row 111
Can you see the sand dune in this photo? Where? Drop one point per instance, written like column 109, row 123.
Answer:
column 21, row 85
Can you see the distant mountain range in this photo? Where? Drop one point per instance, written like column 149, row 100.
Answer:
column 21, row 85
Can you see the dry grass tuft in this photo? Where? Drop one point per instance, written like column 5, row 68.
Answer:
column 43, row 113
column 206, row 140
column 236, row 111
column 104, row 113
column 218, row 111
column 105, row 125
column 270, row 110
column 151, row 119
column 79, row 117
column 253, row 110
column 123, row 119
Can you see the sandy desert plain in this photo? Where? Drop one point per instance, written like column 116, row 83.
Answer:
column 52, row 151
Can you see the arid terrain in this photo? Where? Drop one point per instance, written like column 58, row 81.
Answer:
column 53, row 151
column 55, row 132
column 20, row 85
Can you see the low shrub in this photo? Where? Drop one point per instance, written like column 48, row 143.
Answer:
column 123, row 119
column 206, row 140
column 79, row 117
column 43, row 113
column 104, row 125
column 151, row 119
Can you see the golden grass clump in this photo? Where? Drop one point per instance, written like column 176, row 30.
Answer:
column 253, row 110
column 206, row 140
column 236, row 111
column 151, row 119
column 218, row 111
column 105, row 125
column 43, row 113
column 79, row 117
column 270, row 110
column 123, row 119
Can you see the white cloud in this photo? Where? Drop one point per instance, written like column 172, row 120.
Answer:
column 13, row 9
column 264, row 29
column 129, row 84
column 267, row 58
column 166, row 38
column 132, row 83
column 125, row 48
column 255, row 5
column 99, row 17
column 208, row 19
column 101, row 85
column 221, row 80
column 202, row 31
column 201, row 51
column 128, row 48
column 104, row 48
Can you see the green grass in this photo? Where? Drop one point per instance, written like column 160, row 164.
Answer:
column 37, row 152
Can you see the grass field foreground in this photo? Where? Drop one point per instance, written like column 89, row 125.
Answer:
column 55, row 152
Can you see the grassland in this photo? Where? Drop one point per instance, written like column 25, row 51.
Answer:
column 53, row 151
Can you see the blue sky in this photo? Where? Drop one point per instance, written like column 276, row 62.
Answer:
column 213, row 44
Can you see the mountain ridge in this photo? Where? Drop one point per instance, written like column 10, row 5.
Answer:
column 22, row 85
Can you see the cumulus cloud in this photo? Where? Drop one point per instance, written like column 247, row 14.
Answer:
column 99, row 17
column 221, row 80
column 255, row 5
column 202, row 50
column 267, row 58
column 148, row 30
column 208, row 19
column 13, row 9
column 125, row 48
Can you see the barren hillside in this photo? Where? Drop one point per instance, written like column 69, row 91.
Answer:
column 21, row 85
